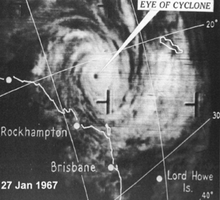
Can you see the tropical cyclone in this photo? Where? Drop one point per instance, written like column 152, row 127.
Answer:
column 147, row 93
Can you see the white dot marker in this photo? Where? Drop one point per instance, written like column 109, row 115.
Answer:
column 108, row 133
column 216, row 20
column 111, row 167
column 76, row 125
column 8, row 80
column 159, row 178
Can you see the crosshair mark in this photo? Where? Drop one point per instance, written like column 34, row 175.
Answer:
column 197, row 101
column 106, row 101
column 169, row 44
